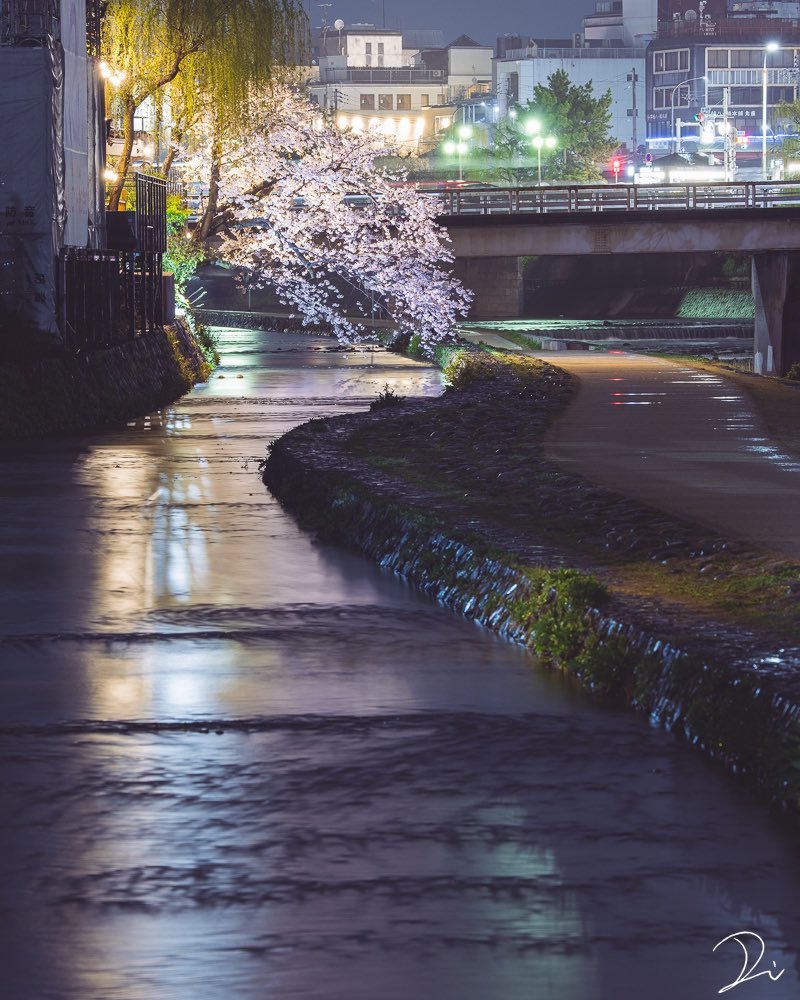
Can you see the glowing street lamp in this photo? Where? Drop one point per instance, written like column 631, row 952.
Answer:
column 464, row 132
column 538, row 141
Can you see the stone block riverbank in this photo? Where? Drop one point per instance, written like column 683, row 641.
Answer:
column 456, row 495
column 71, row 393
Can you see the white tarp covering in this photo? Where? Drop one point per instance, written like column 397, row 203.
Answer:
column 31, row 185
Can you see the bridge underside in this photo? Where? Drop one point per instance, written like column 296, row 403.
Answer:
column 489, row 252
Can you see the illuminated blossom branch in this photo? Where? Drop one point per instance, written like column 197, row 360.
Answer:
column 309, row 213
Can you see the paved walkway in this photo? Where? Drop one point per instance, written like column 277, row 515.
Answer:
column 686, row 441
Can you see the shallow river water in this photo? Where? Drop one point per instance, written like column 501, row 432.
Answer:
column 238, row 763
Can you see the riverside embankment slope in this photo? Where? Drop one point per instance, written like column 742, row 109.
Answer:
column 458, row 495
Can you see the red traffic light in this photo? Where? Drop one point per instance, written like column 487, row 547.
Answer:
column 615, row 166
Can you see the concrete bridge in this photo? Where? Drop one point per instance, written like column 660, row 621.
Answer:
column 493, row 229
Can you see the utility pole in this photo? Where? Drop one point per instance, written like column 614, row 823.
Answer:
column 632, row 79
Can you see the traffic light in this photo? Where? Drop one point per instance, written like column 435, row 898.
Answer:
column 615, row 165
column 700, row 118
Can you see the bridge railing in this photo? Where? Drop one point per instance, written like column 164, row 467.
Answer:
column 618, row 197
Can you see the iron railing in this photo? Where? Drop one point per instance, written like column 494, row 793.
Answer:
column 108, row 296
column 151, row 213
column 618, row 197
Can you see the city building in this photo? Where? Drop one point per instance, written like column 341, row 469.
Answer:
column 396, row 82
column 620, row 23
column 712, row 71
column 620, row 70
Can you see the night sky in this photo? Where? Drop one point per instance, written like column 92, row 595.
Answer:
column 483, row 21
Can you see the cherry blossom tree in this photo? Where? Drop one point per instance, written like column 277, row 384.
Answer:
column 307, row 211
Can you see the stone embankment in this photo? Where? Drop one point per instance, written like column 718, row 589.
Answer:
column 70, row 393
column 456, row 495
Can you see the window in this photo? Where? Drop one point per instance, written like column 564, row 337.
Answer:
column 368, row 53
column 385, row 102
column 424, row 100
column 404, row 102
column 747, row 58
column 717, row 58
column 442, row 122
column 672, row 61
column 367, row 102
column 742, row 96
column 380, row 53
column 666, row 97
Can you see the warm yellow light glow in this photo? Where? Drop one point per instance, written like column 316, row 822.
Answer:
column 404, row 129
column 110, row 175
column 105, row 70
column 342, row 121
column 389, row 126
column 357, row 124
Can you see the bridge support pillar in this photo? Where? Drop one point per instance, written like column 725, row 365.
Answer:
column 497, row 284
column 776, row 293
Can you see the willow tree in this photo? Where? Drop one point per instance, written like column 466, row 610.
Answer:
column 228, row 47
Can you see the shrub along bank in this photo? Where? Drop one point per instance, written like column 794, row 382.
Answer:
column 66, row 394
column 455, row 494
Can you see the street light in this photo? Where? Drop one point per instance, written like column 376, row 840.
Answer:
column 450, row 148
column 538, row 141
column 769, row 47
column 683, row 83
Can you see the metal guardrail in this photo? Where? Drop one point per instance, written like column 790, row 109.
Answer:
column 617, row 197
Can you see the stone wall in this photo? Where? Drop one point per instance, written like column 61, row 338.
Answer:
column 738, row 713
column 66, row 394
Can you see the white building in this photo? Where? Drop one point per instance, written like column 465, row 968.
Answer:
column 620, row 70
column 621, row 23
column 379, row 79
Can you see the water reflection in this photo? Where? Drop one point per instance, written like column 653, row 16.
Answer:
column 238, row 762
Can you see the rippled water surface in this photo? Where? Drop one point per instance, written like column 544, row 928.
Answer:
column 238, row 763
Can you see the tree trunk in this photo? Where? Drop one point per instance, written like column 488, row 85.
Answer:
column 125, row 157
column 206, row 223
column 167, row 164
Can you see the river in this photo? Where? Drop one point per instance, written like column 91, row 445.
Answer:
column 239, row 763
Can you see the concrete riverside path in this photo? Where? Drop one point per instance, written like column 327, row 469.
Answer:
column 683, row 440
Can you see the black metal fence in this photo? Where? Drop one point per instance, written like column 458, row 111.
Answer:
column 108, row 296
column 151, row 213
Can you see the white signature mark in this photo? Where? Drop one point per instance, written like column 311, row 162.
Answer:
column 740, row 937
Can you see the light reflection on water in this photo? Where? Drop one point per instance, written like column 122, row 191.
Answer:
column 240, row 763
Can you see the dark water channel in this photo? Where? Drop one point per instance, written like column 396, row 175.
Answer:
column 238, row 763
